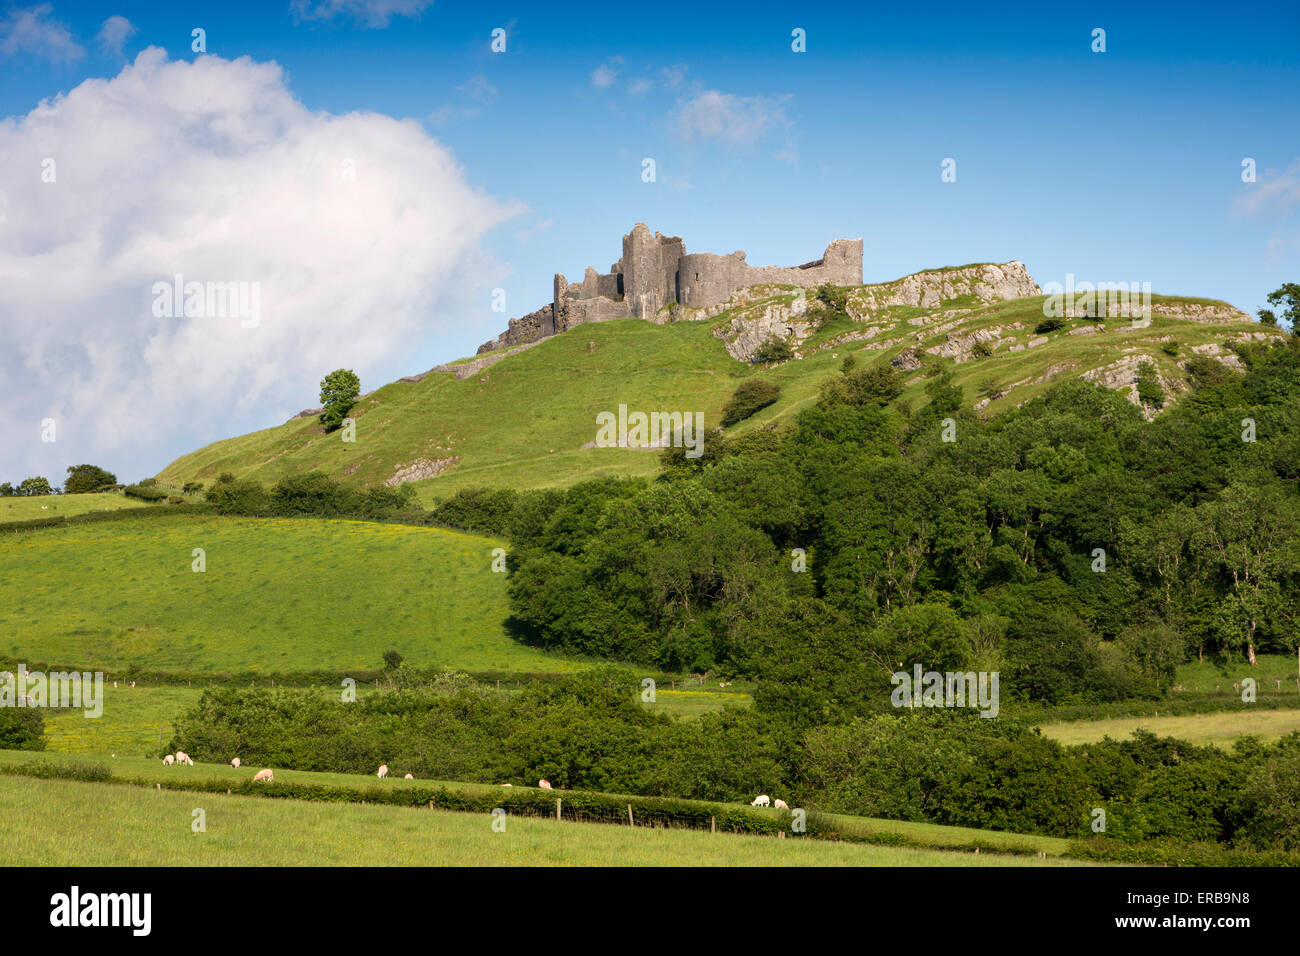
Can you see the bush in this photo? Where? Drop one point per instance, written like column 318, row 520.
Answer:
column 22, row 728
column 748, row 398
column 144, row 492
column 772, row 351
column 192, row 487
column 239, row 497
column 1049, row 325
column 85, row 478
column 477, row 509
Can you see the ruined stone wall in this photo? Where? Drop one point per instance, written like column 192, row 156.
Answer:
column 655, row 270
column 705, row 279
column 527, row 328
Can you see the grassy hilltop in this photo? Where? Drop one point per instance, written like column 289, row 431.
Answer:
column 522, row 422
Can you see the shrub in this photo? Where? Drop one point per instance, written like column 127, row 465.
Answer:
column 772, row 351
column 192, row 487
column 239, row 497
column 1148, row 386
column 477, row 509
column 749, row 397
column 22, row 728
column 1049, row 325
column 84, row 478
column 144, row 492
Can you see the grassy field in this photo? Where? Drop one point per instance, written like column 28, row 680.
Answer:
column 475, row 424
column 278, row 595
column 66, row 506
column 70, row 823
column 1218, row 729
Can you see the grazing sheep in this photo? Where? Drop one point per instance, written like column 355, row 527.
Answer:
column 544, row 784
column 264, row 775
column 507, row 784
column 183, row 757
column 781, row 804
column 168, row 760
column 383, row 771
column 761, row 800
column 409, row 777
column 235, row 763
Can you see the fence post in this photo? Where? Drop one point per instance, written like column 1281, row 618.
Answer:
column 713, row 824
column 557, row 808
column 630, row 821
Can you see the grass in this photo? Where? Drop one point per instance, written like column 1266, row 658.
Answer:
column 277, row 596
column 522, row 422
column 145, row 773
column 119, row 825
column 135, row 721
column 66, row 506
column 1219, row 729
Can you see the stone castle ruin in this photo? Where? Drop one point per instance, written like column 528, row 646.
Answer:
column 656, row 273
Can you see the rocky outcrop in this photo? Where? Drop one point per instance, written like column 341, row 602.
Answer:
column 420, row 469
column 752, row 327
column 473, row 366
column 927, row 290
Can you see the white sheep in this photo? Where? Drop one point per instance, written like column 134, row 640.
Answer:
column 544, row 784
column 168, row 760
column 761, row 800
column 235, row 763
column 383, row 771
column 409, row 777
column 264, row 775
column 184, row 758
column 781, row 804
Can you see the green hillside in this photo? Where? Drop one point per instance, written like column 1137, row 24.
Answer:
column 523, row 421
column 277, row 596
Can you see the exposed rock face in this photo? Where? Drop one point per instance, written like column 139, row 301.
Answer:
column 926, row 290
column 752, row 327
column 749, row 328
column 1192, row 312
column 421, row 468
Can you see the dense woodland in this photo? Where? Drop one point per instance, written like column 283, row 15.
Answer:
column 1077, row 548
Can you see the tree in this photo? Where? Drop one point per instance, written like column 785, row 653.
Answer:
column 7, row 490
column 34, row 487
column 338, row 393
column 1288, row 295
column 85, row 478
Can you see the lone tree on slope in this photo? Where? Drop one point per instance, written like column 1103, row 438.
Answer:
column 338, row 393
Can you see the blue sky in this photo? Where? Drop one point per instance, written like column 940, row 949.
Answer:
column 1117, row 166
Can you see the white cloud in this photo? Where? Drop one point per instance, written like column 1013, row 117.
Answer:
column 211, row 169
column 603, row 76
column 114, row 34
column 1274, row 193
column 476, row 90
column 737, row 121
column 674, row 75
column 374, row 14
column 639, row 87
column 523, row 235
column 32, row 31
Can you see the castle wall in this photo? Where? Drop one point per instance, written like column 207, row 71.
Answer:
column 655, row 269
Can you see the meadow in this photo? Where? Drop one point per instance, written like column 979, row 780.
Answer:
column 66, row 506
column 131, row 789
column 1219, row 729
column 135, row 826
column 277, row 596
